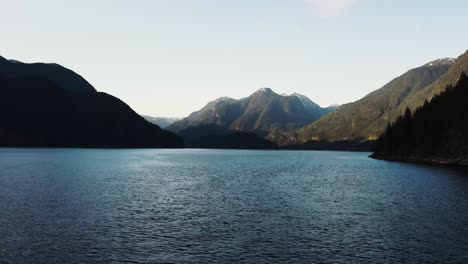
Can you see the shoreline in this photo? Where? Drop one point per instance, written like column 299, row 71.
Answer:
column 431, row 160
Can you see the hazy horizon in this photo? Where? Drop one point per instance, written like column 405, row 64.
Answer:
column 169, row 58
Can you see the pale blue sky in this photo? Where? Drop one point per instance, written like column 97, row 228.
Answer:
column 170, row 57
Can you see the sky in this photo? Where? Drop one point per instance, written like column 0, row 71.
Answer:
column 170, row 57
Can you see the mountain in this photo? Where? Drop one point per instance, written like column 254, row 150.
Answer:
column 264, row 113
column 217, row 137
column 436, row 133
column 367, row 118
column 57, row 74
column 162, row 122
column 47, row 105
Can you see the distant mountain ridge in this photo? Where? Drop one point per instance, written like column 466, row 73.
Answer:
column 162, row 122
column 264, row 112
column 367, row 118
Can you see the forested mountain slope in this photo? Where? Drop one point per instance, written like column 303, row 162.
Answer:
column 367, row 118
column 437, row 132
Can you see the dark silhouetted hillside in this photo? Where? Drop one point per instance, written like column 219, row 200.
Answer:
column 341, row 145
column 37, row 111
column 57, row 74
column 213, row 136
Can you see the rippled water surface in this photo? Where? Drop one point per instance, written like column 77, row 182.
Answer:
column 216, row 206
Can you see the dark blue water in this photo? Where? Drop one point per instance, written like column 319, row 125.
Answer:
column 215, row 206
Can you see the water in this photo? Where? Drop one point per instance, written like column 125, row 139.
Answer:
column 216, row 206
